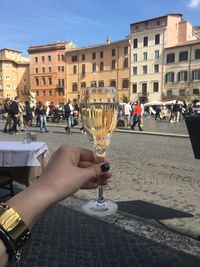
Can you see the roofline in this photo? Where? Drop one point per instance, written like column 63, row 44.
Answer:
column 157, row 18
column 10, row 50
column 96, row 46
column 188, row 43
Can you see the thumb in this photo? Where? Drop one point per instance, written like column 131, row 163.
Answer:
column 94, row 171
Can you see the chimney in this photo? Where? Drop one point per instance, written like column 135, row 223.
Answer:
column 108, row 40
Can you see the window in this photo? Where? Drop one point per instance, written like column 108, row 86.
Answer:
column 113, row 65
column 101, row 83
column 58, row 57
column 43, row 70
column 36, row 70
column 169, row 92
column 94, row 55
column 144, row 69
column 63, row 82
column 197, row 54
column 157, row 39
column 183, row 56
column 36, row 59
column 126, row 62
column 37, row 81
column 62, row 57
column 125, row 50
column 74, row 58
column 196, row 91
column 134, row 70
column 134, row 88
column 158, row 23
column 83, row 69
column 134, row 57
column 196, row 75
column 144, row 89
column 44, row 93
column 74, row 69
column 50, row 92
column 43, row 81
column 58, row 68
column 125, row 84
column 156, row 68
column 145, row 41
column 113, row 52
column 135, row 43
column 83, row 57
column 43, row 59
column 59, row 83
column 37, row 93
column 182, row 76
column 49, row 69
column 62, row 68
column 170, row 58
column 145, row 56
column 101, row 54
column 74, row 87
column 49, row 58
column 155, row 87
column 113, row 83
column 182, row 92
column 94, row 67
column 101, row 66
column 83, row 85
column 50, row 81
column 157, row 54
column 169, row 77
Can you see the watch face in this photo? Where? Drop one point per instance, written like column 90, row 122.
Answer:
column 193, row 126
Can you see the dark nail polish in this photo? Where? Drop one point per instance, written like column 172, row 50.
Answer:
column 105, row 167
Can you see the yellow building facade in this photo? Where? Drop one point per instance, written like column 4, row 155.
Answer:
column 100, row 65
column 14, row 74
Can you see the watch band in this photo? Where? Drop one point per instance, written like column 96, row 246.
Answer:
column 13, row 231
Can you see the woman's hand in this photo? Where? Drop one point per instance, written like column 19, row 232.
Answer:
column 71, row 168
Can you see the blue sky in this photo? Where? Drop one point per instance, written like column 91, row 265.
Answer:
column 84, row 22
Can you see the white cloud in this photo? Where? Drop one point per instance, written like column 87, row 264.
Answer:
column 194, row 3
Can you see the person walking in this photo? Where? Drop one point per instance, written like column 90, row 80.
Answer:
column 136, row 116
column 127, row 113
column 7, row 113
column 69, row 110
column 176, row 111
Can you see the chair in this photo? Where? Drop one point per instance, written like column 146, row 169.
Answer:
column 6, row 183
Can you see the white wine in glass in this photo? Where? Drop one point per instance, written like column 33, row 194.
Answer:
column 99, row 111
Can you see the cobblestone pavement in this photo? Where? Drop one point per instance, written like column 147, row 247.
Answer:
column 154, row 177
column 64, row 237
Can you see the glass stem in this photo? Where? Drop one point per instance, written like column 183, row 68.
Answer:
column 100, row 159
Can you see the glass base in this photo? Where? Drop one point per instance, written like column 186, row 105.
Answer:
column 96, row 208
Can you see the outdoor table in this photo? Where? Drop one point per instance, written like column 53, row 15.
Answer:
column 24, row 162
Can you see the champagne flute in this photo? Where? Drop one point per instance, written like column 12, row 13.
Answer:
column 99, row 110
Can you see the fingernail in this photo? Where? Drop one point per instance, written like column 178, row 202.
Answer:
column 105, row 167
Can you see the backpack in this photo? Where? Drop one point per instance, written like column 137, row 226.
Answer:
column 67, row 108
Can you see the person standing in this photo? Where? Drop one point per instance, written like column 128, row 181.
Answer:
column 127, row 113
column 14, row 111
column 176, row 111
column 69, row 110
column 42, row 109
column 136, row 116
column 7, row 113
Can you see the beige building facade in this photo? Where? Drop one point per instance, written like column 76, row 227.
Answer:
column 14, row 74
column 148, row 40
column 182, row 71
column 100, row 65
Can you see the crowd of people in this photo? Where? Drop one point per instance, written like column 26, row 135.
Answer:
column 131, row 114
column 18, row 114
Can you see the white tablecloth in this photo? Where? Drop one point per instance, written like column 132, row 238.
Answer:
column 18, row 154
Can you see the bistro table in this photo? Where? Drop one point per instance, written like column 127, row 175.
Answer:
column 24, row 162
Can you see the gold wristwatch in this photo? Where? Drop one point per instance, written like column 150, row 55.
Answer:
column 13, row 231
